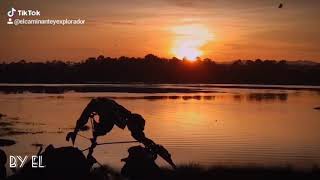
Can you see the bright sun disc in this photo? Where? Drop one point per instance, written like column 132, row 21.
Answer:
column 189, row 40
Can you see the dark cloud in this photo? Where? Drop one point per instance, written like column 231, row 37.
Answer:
column 184, row 3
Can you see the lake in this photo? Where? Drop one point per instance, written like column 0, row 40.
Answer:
column 204, row 124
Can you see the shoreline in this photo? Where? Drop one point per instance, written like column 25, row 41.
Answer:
column 141, row 88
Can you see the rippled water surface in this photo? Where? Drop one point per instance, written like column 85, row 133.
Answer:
column 221, row 125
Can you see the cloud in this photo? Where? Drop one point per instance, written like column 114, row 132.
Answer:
column 190, row 3
column 183, row 3
column 121, row 23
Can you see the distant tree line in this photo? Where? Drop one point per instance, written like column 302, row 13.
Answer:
column 152, row 69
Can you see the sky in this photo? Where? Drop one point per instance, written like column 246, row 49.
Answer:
column 222, row 30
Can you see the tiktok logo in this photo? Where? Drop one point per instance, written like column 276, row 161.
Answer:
column 10, row 15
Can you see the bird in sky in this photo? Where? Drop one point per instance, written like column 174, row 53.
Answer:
column 280, row 5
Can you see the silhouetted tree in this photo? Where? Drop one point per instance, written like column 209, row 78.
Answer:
column 153, row 69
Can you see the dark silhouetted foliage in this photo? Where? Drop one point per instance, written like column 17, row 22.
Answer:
column 153, row 69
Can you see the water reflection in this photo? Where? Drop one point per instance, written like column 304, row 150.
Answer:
column 262, row 97
column 208, row 128
column 13, row 126
column 259, row 97
column 170, row 97
column 267, row 97
column 60, row 89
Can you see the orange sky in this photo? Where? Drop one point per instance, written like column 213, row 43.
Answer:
column 246, row 29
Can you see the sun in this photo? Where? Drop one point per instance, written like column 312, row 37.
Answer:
column 189, row 53
column 189, row 39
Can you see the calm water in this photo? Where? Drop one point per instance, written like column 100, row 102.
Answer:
column 229, row 126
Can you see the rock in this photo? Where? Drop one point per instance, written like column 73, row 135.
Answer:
column 3, row 161
column 140, row 165
column 60, row 163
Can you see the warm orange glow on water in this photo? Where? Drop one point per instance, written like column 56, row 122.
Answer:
column 189, row 41
column 236, row 127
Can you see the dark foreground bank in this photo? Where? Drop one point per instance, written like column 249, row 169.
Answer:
column 67, row 163
column 197, row 172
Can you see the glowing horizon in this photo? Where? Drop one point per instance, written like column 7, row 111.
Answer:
column 219, row 30
column 189, row 40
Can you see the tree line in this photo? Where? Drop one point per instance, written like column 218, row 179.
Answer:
column 153, row 69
